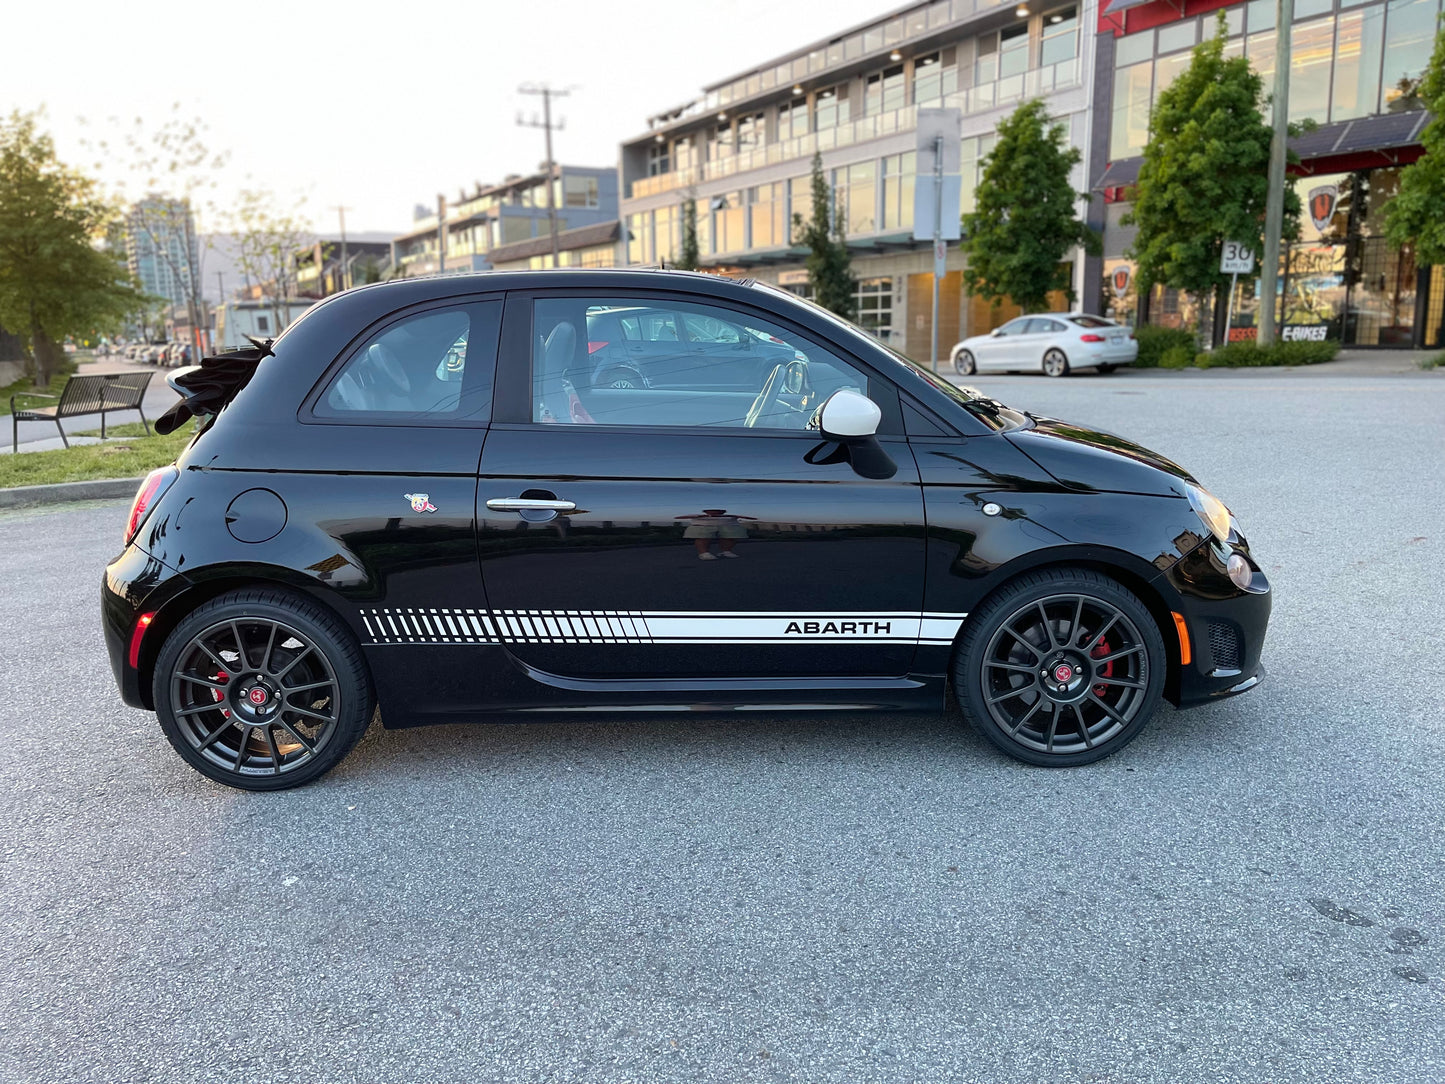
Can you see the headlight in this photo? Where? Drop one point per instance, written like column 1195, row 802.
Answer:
column 1211, row 510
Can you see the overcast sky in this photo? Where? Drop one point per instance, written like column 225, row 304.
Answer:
column 381, row 105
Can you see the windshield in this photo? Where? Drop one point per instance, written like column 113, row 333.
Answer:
column 990, row 411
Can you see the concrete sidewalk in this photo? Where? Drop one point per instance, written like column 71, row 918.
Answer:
column 41, row 436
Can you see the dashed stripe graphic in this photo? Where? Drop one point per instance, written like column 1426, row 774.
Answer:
column 419, row 625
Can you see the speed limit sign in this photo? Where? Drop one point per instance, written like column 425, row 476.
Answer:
column 1236, row 259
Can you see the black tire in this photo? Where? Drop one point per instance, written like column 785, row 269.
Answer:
column 964, row 363
column 1052, row 621
column 1105, row 368
column 228, row 683
column 1056, row 363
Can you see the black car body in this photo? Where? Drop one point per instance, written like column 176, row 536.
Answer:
column 418, row 495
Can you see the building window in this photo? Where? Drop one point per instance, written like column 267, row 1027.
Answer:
column 793, row 119
column 664, row 234
column 830, row 109
column 885, row 91
column 658, row 160
column 765, row 214
column 750, row 132
column 579, row 191
column 875, row 307
column 898, row 174
column 800, row 202
column 1409, row 38
column 1061, row 37
column 262, row 324
column 721, row 144
column 729, row 222
column 1359, row 43
column 639, row 238
column 1130, row 128
column 857, row 198
column 1312, row 47
column 932, row 79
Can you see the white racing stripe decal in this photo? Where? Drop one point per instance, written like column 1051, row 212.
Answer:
column 409, row 625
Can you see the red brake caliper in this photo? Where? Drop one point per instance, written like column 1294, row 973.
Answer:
column 224, row 677
column 1101, row 649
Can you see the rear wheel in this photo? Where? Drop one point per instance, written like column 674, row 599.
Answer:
column 1056, row 364
column 1061, row 667
column 262, row 690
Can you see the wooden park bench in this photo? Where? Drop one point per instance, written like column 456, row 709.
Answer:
column 101, row 393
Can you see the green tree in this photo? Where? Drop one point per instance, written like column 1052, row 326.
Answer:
column 267, row 239
column 55, row 280
column 1204, row 179
column 1416, row 216
column 687, row 259
column 1026, row 220
column 830, row 267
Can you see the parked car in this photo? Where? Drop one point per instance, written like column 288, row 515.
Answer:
column 657, row 347
column 1056, row 343
column 339, row 533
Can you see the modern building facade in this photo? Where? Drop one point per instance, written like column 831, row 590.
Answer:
column 331, row 263
column 1354, row 71
column 743, row 150
column 162, row 249
column 509, row 213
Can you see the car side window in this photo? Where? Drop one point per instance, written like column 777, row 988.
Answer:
column 1040, row 326
column 417, row 366
column 1015, row 327
column 731, row 370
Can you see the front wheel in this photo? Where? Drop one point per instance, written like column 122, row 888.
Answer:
column 1056, row 364
column 964, row 363
column 262, row 690
column 1061, row 667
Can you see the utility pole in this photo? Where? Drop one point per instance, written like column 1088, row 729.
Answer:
column 221, row 286
column 547, row 94
column 1278, row 149
column 345, row 263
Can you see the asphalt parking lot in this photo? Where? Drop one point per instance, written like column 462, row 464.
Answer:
column 1251, row 892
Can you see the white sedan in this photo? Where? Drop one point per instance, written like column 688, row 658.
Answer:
column 1055, row 342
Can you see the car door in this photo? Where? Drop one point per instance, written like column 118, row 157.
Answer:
column 998, row 351
column 657, row 533
column 1043, row 333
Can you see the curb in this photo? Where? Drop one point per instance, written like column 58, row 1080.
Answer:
column 94, row 490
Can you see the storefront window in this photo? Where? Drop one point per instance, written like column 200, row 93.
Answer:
column 800, row 201
column 1169, row 68
column 1303, row 9
column 729, row 222
column 1359, row 38
column 875, row 307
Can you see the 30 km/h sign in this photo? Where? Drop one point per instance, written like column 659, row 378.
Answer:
column 1236, row 259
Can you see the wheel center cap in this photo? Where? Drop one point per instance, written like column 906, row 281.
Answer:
column 259, row 696
column 1063, row 673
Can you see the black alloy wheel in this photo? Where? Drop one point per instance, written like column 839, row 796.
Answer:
column 620, row 378
column 1055, row 363
column 964, row 363
column 262, row 690
column 1061, row 667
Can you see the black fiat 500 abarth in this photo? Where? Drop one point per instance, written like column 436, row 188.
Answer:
column 427, row 494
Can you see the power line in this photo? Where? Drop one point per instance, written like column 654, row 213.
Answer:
column 547, row 94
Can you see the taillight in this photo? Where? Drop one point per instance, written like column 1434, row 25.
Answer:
column 155, row 484
column 593, row 347
column 1091, row 338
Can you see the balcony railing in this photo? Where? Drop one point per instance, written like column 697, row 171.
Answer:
column 977, row 99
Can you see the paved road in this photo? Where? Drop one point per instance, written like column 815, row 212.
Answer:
column 1252, row 892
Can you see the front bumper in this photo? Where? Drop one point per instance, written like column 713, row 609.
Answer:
column 1226, row 624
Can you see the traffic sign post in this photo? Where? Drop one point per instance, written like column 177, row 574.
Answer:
column 1234, row 260
column 937, row 185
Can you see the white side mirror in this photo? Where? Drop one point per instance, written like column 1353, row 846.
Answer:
column 848, row 415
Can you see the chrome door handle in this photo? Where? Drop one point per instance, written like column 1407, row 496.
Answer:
column 528, row 504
